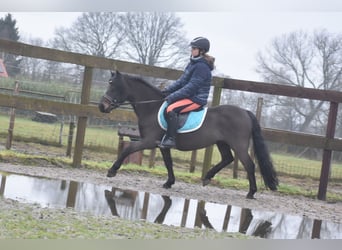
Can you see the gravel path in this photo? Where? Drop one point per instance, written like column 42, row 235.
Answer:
column 265, row 200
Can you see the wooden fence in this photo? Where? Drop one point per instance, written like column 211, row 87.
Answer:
column 84, row 110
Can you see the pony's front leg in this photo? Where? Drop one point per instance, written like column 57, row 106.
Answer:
column 132, row 147
column 166, row 153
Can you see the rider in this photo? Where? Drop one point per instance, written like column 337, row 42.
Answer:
column 190, row 92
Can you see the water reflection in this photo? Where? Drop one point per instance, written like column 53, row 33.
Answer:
column 136, row 205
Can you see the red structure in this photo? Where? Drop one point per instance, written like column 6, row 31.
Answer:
column 3, row 72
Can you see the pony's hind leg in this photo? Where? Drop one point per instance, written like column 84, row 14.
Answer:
column 166, row 153
column 227, row 158
column 250, row 168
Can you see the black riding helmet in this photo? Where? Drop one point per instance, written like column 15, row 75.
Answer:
column 201, row 43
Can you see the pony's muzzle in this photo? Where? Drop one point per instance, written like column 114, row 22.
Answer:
column 104, row 107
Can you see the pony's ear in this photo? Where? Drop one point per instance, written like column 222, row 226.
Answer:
column 112, row 73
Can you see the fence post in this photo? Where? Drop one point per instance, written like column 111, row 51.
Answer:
column 259, row 108
column 82, row 121
column 152, row 158
column 209, row 150
column 316, row 229
column 193, row 161
column 2, row 185
column 72, row 97
column 70, row 138
column 326, row 162
column 12, row 119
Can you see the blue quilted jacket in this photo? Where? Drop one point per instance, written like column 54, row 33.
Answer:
column 193, row 84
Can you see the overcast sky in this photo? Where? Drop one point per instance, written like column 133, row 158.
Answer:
column 235, row 36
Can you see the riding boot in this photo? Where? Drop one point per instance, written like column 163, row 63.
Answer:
column 169, row 140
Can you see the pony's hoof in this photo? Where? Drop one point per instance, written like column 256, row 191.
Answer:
column 111, row 173
column 166, row 186
column 250, row 196
column 205, row 182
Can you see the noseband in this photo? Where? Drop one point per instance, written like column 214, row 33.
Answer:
column 112, row 102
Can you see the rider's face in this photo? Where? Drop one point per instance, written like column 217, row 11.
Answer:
column 195, row 51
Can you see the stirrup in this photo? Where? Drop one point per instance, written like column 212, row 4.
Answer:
column 167, row 142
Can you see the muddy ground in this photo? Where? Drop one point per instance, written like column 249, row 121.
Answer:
column 265, row 200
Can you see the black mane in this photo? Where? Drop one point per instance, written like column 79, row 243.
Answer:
column 144, row 82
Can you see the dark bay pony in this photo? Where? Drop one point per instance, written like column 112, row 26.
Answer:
column 227, row 126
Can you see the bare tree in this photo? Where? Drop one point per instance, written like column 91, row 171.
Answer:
column 306, row 60
column 94, row 33
column 32, row 68
column 154, row 38
column 147, row 38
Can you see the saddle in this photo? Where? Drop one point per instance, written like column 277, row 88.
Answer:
column 187, row 122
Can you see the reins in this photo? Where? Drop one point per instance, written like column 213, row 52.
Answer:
column 140, row 102
column 116, row 104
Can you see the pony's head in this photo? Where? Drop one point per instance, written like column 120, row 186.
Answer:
column 116, row 93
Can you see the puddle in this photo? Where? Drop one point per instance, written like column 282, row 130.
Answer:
column 137, row 205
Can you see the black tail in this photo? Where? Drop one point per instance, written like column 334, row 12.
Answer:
column 261, row 152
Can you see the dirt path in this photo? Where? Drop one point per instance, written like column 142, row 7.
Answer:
column 265, row 200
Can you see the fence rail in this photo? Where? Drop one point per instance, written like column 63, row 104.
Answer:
column 63, row 108
column 281, row 90
column 84, row 110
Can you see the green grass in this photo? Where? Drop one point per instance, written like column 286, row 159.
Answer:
column 295, row 166
column 30, row 131
column 26, row 221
